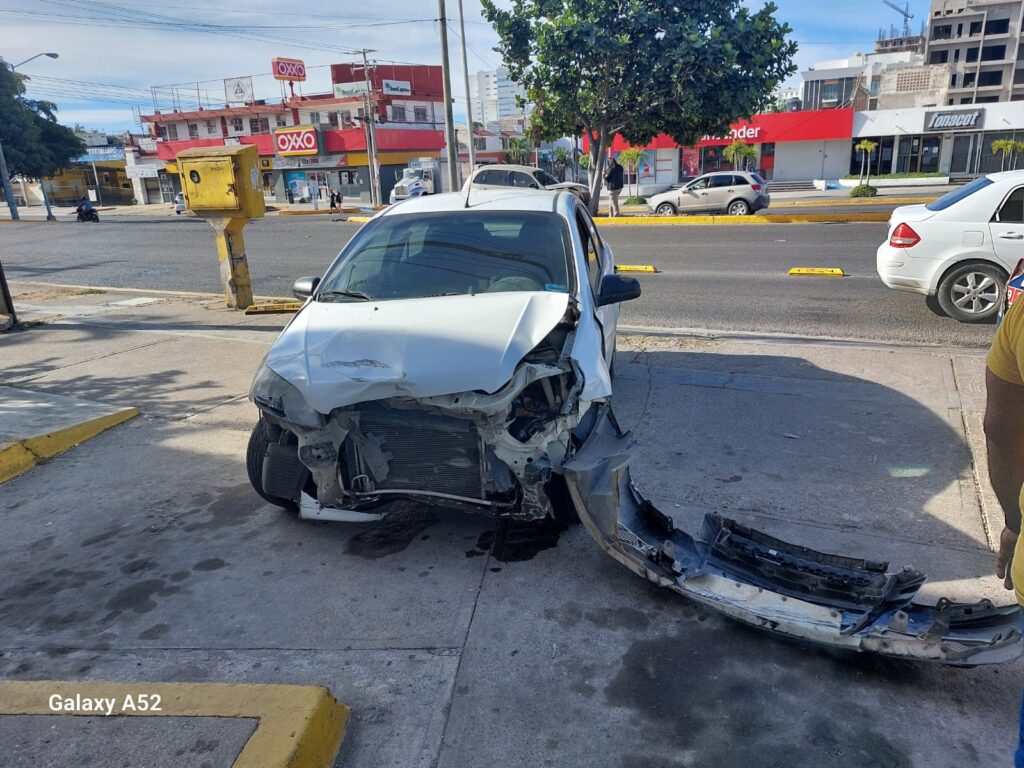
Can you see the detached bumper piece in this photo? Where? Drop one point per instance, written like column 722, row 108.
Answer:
column 833, row 600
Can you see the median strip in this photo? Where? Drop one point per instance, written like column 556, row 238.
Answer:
column 799, row 218
column 298, row 726
column 818, row 271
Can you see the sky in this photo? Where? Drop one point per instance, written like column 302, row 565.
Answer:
column 113, row 52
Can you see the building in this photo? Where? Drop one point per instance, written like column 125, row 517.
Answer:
column 308, row 144
column 924, row 86
column 788, row 99
column 980, row 41
column 493, row 96
column 854, row 81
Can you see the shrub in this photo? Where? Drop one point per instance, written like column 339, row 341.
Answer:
column 635, row 201
column 863, row 190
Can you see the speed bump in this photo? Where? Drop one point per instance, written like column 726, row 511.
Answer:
column 650, row 268
column 298, row 726
column 818, row 271
column 273, row 308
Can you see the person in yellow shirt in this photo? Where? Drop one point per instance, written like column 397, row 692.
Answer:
column 1004, row 433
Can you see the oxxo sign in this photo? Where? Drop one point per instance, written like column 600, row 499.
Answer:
column 288, row 69
column 297, row 140
column 955, row 120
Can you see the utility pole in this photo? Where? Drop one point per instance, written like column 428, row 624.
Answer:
column 469, row 100
column 371, row 122
column 449, row 118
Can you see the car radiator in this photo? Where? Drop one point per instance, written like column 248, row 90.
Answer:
column 427, row 452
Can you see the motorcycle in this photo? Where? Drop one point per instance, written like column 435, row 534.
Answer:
column 88, row 215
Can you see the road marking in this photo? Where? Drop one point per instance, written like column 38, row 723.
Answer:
column 818, row 271
column 650, row 268
column 299, row 726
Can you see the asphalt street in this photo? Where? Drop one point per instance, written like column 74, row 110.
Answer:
column 730, row 278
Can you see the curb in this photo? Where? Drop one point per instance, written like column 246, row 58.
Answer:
column 144, row 291
column 850, row 201
column 804, row 218
column 298, row 726
column 320, row 212
column 21, row 455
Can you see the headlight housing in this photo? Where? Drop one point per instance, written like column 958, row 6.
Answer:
column 273, row 393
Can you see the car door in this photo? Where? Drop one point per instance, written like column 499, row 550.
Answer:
column 491, row 179
column 1007, row 228
column 522, row 180
column 720, row 191
column 599, row 264
column 693, row 198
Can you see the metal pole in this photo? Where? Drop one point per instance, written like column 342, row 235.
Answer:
column 371, row 117
column 449, row 118
column 5, row 177
column 96, row 176
column 46, row 200
column 469, row 100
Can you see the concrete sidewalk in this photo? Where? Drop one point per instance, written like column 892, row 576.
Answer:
column 143, row 555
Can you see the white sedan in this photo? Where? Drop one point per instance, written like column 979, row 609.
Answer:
column 960, row 248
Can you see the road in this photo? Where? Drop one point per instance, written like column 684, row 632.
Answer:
column 729, row 278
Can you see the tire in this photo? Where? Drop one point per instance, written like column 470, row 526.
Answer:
column 738, row 208
column 972, row 292
column 259, row 441
column 666, row 209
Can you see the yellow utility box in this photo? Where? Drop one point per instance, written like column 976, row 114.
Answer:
column 222, row 184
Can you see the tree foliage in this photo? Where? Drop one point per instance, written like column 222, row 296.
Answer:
column 518, row 151
column 35, row 144
column 641, row 67
column 738, row 153
column 865, row 147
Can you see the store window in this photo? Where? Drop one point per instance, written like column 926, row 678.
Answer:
column 990, row 78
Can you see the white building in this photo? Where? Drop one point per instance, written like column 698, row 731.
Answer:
column 493, row 96
column 835, row 84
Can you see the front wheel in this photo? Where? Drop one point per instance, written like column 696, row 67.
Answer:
column 666, row 209
column 972, row 293
column 739, row 208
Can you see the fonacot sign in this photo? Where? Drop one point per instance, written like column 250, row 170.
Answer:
column 297, row 140
column 955, row 120
column 288, row 69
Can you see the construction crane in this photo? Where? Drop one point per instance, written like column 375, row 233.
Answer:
column 904, row 12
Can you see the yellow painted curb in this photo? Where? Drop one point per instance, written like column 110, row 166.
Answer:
column 359, row 219
column 273, row 308
column 799, row 218
column 818, row 271
column 635, row 268
column 851, row 201
column 320, row 212
column 299, row 726
column 17, row 457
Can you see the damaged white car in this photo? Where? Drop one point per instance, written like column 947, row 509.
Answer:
column 459, row 352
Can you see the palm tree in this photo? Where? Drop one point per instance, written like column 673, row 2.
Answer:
column 518, row 150
column 561, row 158
column 737, row 152
column 1018, row 148
column 630, row 159
column 1004, row 147
column 865, row 148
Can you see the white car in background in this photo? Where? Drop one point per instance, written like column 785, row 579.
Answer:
column 502, row 176
column 959, row 249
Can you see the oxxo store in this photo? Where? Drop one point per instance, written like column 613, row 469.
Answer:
column 955, row 141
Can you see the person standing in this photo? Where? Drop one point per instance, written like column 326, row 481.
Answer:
column 614, row 178
column 1004, row 437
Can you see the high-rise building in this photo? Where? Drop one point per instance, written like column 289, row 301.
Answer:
column 493, row 96
column 980, row 41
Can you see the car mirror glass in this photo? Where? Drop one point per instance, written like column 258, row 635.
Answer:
column 615, row 289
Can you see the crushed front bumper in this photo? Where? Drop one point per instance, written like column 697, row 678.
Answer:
column 828, row 599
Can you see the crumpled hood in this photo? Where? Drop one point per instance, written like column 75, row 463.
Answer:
column 341, row 353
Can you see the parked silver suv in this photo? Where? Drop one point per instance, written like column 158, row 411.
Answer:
column 736, row 193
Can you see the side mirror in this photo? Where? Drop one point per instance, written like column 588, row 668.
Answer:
column 303, row 287
column 615, row 289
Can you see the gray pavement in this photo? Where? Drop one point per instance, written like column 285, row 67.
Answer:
column 730, row 278
column 144, row 555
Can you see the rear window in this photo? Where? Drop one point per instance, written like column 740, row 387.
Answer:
column 954, row 197
column 740, row 181
column 452, row 253
column 721, row 181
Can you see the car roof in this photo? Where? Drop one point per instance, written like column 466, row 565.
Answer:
column 1008, row 176
column 510, row 199
column 507, row 167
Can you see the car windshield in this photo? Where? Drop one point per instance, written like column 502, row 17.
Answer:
column 545, row 178
column 411, row 173
column 452, row 253
column 951, row 198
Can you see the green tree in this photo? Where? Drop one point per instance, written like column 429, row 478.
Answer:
column 35, row 144
column 518, row 150
column 562, row 157
column 641, row 67
column 1018, row 148
column 630, row 159
column 1004, row 147
column 865, row 147
column 738, row 153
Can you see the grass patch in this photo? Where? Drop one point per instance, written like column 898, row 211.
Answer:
column 935, row 175
column 635, row 201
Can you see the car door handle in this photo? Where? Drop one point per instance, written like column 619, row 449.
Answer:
column 1011, row 236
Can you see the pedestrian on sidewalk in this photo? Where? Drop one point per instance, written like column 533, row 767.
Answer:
column 614, row 178
column 1004, row 433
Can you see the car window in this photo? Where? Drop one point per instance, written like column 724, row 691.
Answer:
column 954, row 197
column 521, row 180
column 590, row 250
column 1012, row 210
column 452, row 252
column 495, row 177
column 545, row 179
column 721, row 181
column 740, row 181
column 701, row 183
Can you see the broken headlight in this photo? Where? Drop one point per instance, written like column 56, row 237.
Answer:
column 277, row 395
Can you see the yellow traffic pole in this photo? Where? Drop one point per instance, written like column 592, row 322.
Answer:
column 234, row 267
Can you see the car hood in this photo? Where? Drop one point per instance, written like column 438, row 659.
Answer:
column 341, row 353
column 566, row 185
column 911, row 213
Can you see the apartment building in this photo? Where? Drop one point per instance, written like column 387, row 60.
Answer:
column 840, row 83
column 980, row 40
column 493, row 96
